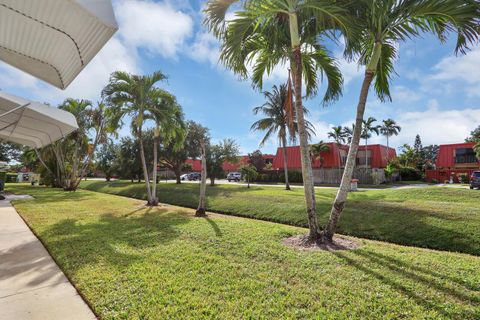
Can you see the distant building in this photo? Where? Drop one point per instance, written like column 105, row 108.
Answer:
column 376, row 158
column 228, row 166
column 454, row 160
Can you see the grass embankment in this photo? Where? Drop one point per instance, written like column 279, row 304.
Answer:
column 162, row 263
column 438, row 218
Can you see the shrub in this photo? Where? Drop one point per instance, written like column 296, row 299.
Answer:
column 293, row 177
column 410, row 174
column 463, row 178
column 11, row 177
column 278, row 176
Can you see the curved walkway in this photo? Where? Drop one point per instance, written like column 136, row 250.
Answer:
column 32, row 286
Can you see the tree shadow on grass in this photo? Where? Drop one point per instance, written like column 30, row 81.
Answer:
column 52, row 194
column 412, row 226
column 215, row 227
column 114, row 240
column 416, row 284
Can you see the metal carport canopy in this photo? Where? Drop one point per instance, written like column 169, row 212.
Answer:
column 31, row 123
column 54, row 39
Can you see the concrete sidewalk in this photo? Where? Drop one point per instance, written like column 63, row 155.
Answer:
column 31, row 284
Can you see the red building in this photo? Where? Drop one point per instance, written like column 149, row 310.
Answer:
column 376, row 157
column 454, row 160
column 228, row 166
column 195, row 163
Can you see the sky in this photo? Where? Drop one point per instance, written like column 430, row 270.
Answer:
column 435, row 93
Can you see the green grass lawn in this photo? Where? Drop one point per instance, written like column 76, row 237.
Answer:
column 162, row 263
column 436, row 217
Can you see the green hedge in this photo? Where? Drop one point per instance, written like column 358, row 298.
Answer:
column 279, row 176
column 410, row 174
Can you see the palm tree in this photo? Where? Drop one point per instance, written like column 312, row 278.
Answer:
column 316, row 151
column 132, row 95
column 477, row 150
column 388, row 129
column 169, row 124
column 368, row 128
column 275, row 122
column 264, row 34
column 338, row 135
column 382, row 25
column 348, row 132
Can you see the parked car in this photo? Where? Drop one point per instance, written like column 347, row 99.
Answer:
column 475, row 180
column 234, row 176
column 184, row 177
column 194, row 176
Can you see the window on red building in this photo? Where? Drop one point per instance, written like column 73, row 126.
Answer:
column 465, row 155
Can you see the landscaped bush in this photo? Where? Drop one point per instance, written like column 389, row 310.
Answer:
column 293, row 177
column 410, row 174
column 463, row 178
column 279, row 177
column 11, row 177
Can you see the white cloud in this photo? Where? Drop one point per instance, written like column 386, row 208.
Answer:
column 350, row 70
column 156, row 26
column 436, row 126
column 463, row 72
column 11, row 77
column 205, row 48
column 402, row 94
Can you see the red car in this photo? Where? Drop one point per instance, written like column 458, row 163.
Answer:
column 475, row 180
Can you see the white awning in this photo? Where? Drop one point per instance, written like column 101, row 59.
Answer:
column 31, row 123
column 54, row 39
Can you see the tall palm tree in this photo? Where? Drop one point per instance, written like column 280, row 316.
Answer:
column 169, row 124
column 388, row 129
column 368, row 128
column 264, row 34
column 382, row 25
column 338, row 135
column 276, row 122
column 132, row 95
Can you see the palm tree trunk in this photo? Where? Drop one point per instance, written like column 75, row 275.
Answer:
column 388, row 150
column 296, row 66
column 366, row 153
column 339, row 160
column 203, row 185
column 341, row 198
column 156, row 142
column 285, row 162
column 144, row 167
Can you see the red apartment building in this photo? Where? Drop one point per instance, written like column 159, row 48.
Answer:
column 376, row 157
column 454, row 160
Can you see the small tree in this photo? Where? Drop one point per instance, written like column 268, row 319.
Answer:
column 128, row 160
column 249, row 173
column 338, row 135
column 474, row 136
column 317, row 151
column 368, row 128
column 389, row 128
column 106, row 159
column 216, row 155
column 430, row 154
column 10, row 151
column 257, row 160
column 73, row 154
